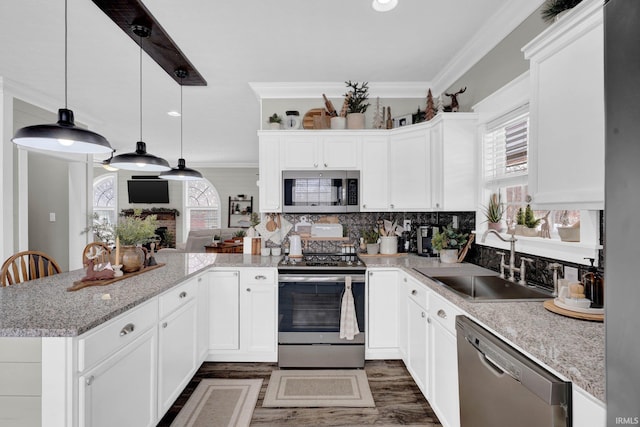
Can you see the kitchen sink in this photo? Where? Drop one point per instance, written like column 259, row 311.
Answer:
column 483, row 288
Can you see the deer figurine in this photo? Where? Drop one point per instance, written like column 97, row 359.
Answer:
column 454, row 99
column 544, row 228
column 93, row 274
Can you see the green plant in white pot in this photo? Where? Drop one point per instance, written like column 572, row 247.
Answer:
column 371, row 240
column 356, row 99
column 494, row 212
column 448, row 242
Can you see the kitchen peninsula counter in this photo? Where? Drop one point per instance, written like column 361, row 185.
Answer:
column 573, row 348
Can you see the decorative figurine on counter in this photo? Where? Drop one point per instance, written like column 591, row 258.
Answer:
column 151, row 260
column 104, row 273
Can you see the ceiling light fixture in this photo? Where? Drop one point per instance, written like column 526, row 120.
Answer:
column 182, row 172
column 140, row 160
column 63, row 136
column 384, row 5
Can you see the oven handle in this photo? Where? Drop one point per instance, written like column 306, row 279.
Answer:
column 288, row 278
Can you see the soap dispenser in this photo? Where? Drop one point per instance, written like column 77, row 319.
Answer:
column 594, row 286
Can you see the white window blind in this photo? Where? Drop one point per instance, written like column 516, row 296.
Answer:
column 506, row 142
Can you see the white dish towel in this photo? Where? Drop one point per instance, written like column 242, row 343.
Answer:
column 348, row 319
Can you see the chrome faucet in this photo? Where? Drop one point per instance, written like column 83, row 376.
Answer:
column 512, row 255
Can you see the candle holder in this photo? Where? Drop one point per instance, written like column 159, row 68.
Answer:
column 117, row 272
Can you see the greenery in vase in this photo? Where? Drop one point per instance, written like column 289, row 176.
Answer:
column 133, row 230
column 495, row 209
column 520, row 217
column 552, row 8
column 357, row 97
column 449, row 238
column 530, row 220
column 275, row 118
column 370, row 236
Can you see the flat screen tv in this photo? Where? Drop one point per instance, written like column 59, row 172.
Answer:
column 148, row 191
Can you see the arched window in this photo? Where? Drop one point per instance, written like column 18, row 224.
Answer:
column 202, row 205
column 105, row 197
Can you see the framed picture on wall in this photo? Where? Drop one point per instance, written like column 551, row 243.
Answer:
column 402, row 121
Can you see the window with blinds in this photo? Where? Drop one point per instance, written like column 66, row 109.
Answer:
column 505, row 150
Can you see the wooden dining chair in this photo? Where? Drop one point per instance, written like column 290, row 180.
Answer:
column 93, row 247
column 27, row 265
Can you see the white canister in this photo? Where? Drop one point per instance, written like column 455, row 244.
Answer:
column 295, row 246
column 338, row 122
column 388, row 245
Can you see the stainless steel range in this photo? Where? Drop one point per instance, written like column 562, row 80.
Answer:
column 309, row 307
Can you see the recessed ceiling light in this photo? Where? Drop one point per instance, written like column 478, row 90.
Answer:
column 174, row 113
column 384, row 5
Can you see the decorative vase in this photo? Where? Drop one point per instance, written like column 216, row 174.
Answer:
column 338, row 122
column 388, row 245
column 274, row 126
column 355, row 121
column 449, row 256
column 373, row 248
column 495, row 226
column 132, row 258
column 518, row 230
column 529, row 232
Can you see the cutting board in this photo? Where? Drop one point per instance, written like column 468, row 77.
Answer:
column 311, row 117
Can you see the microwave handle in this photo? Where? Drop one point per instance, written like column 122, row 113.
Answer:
column 343, row 202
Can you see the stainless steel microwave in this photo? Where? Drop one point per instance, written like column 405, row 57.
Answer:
column 321, row 192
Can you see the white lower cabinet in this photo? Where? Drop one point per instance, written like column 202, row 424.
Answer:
column 382, row 314
column 243, row 311
column 203, row 317
column 121, row 391
column 417, row 354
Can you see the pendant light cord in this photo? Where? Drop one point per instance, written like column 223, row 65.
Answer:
column 141, row 88
column 65, row 53
column 181, row 115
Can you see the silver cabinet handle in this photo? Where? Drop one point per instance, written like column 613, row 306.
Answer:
column 89, row 380
column 199, row 279
column 315, row 165
column 326, row 165
column 183, row 294
column 128, row 328
column 423, row 315
column 442, row 313
column 392, row 206
column 414, row 292
column 429, row 320
column 261, row 277
column 165, row 324
column 248, row 289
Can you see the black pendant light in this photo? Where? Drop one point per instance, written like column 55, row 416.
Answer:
column 140, row 160
column 182, row 172
column 63, row 136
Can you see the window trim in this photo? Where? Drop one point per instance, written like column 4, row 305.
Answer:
column 187, row 208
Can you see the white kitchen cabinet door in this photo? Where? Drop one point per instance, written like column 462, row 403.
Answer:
column 587, row 410
column 374, row 175
column 224, row 306
column 417, row 354
column 259, row 311
column 270, row 174
column 382, row 306
column 121, row 391
column 341, row 152
column 454, row 161
column 410, row 170
column 177, row 339
column 444, row 375
column 300, row 151
column 203, row 317
column 566, row 145
column 403, row 317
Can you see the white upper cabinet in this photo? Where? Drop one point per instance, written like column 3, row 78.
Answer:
column 374, row 175
column 270, row 174
column 566, row 148
column 329, row 150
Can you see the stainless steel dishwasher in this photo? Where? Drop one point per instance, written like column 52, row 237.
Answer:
column 501, row 387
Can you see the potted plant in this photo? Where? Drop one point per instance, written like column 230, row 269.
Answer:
column 131, row 231
column 371, row 240
column 274, row 121
column 519, row 222
column 530, row 223
column 494, row 212
column 356, row 99
column 239, row 235
column 552, row 10
column 448, row 242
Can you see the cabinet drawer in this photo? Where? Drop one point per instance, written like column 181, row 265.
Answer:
column 257, row 276
column 178, row 296
column 116, row 333
column 417, row 292
column 444, row 312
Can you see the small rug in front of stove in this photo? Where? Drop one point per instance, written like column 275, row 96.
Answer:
column 318, row 388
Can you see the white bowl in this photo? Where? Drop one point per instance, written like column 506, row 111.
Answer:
column 578, row 302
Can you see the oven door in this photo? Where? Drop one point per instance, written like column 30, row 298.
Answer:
column 309, row 309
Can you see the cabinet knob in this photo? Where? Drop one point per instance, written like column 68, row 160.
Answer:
column 442, row 313
column 261, row 277
column 414, row 292
column 315, row 165
column 199, row 279
column 248, row 289
column 437, row 205
column 364, row 206
column 326, row 165
column 422, row 314
column 165, row 324
column 429, row 320
column 391, row 206
column 183, row 294
column 89, row 380
column 128, row 328
column 405, row 280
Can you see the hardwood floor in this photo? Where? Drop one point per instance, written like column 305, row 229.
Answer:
column 398, row 399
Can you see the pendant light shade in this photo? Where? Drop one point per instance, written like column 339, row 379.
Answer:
column 140, row 160
column 63, row 136
column 182, row 172
column 384, row 5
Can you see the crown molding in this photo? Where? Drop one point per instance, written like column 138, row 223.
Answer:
column 503, row 22
column 304, row 90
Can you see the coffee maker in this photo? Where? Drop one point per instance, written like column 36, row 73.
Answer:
column 423, row 239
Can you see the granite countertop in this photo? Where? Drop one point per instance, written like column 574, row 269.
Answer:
column 43, row 308
column 573, row 348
